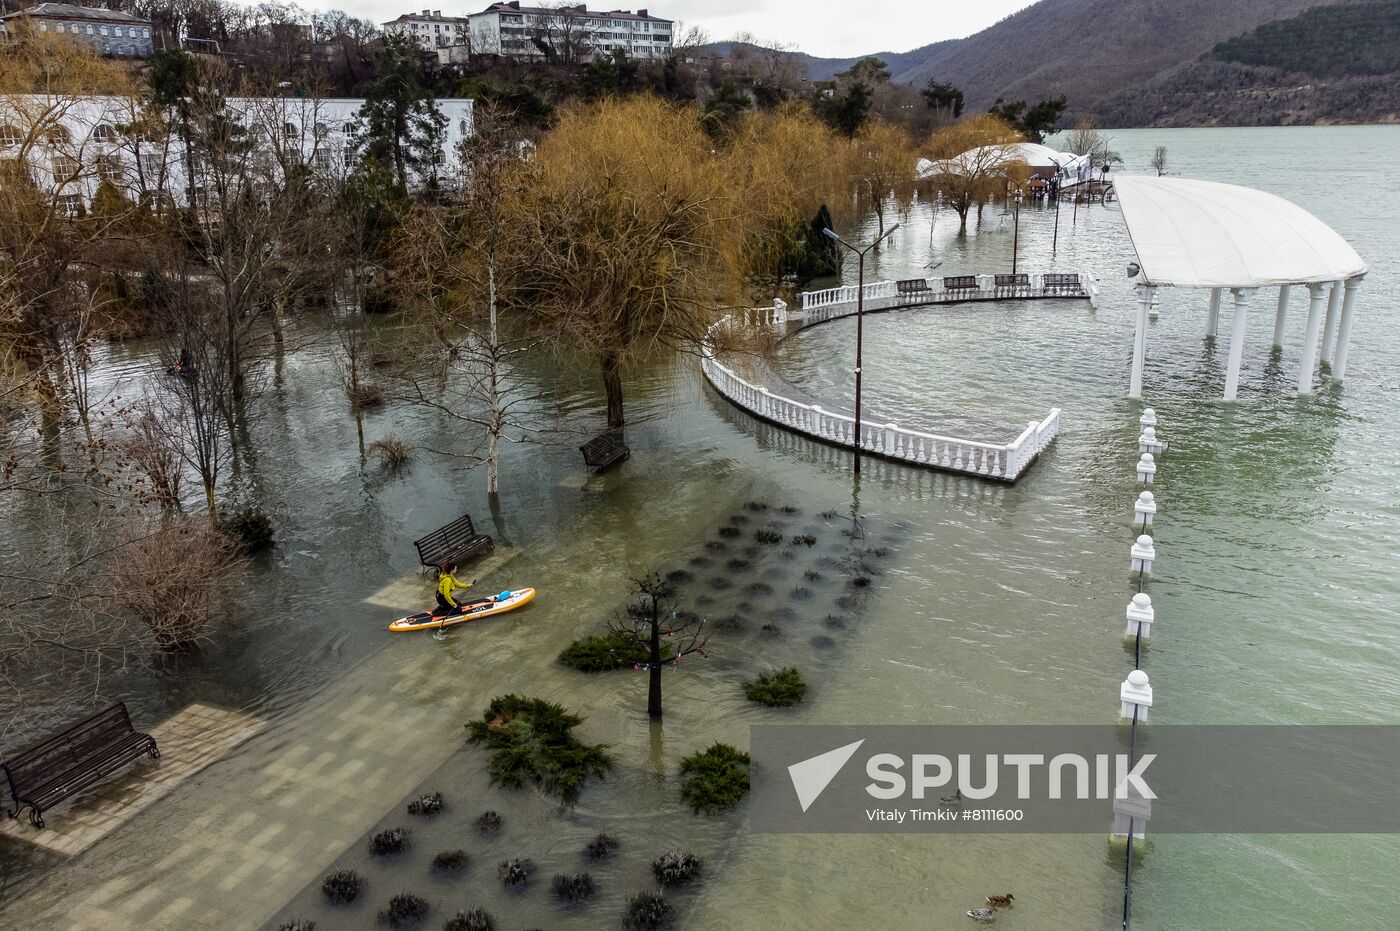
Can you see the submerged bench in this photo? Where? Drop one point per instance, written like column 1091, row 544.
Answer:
column 64, row 765
column 604, row 450
column 454, row 543
column 1062, row 284
column 911, row 288
column 1011, row 285
column 960, row 283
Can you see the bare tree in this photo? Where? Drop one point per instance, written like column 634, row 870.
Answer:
column 1159, row 160
column 561, row 33
column 457, row 259
column 651, row 615
column 971, row 162
column 176, row 579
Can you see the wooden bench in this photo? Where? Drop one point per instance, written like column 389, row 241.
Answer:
column 911, row 289
column 64, row 765
column 604, row 450
column 1011, row 285
column 452, row 544
column 960, row 283
column 1062, row 284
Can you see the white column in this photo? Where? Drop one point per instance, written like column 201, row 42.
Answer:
column 1232, row 371
column 1281, row 315
column 1213, row 318
column 1317, row 294
column 1145, row 295
column 1329, row 325
column 1339, row 358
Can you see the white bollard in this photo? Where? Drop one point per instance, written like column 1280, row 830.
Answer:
column 1149, row 443
column 1143, row 553
column 1145, row 508
column 1148, row 418
column 1135, row 695
column 1146, row 469
column 1131, row 811
column 1140, row 616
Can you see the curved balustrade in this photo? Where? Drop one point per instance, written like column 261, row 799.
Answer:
column 820, row 306
column 1002, row 462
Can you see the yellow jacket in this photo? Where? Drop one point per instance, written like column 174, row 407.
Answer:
column 447, row 583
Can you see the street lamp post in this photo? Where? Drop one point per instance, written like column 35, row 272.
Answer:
column 860, row 313
column 1016, row 235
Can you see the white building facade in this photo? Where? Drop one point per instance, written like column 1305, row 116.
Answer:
column 568, row 34
column 431, row 30
column 70, row 146
column 107, row 32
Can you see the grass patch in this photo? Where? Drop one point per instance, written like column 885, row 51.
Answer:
column 387, row 843
column 514, row 873
column 342, row 886
column 404, row 909
column 450, row 861
column 647, row 911
column 488, row 823
column 601, row 652
column 477, row 919
column 715, row 779
column 601, row 847
column 768, row 535
column 533, row 742
column 676, row 868
column 573, row 888
column 782, row 689
column 803, row 539
column 426, row 805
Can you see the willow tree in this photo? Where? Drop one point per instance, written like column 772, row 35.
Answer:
column 631, row 218
column 971, row 163
column 883, row 168
column 785, row 167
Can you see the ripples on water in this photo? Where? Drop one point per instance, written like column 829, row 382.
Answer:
column 1276, row 593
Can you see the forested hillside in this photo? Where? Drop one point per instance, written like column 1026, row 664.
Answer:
column 1361, row 38
column 1338, row 64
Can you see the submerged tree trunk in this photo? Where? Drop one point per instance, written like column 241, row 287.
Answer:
column 612, row 388
column 493, row 442
column 654, row 665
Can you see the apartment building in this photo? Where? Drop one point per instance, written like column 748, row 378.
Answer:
column 567, row 34
column 430, row 30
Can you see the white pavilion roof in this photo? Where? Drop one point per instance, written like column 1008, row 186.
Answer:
column 993, row 157
column 1203, row 234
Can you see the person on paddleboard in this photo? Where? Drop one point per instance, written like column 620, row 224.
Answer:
column 448, row 585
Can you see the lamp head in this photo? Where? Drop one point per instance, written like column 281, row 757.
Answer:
column 830, row 234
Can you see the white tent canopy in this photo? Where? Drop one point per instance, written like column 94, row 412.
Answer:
column 1202, row 234
column 993, row 157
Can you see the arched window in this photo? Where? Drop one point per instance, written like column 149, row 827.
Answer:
column 462, row 127
column 322, row 130
column 56, row 134
column 289, row 130
column 440, row 157
column 104, row 132
column 10, row 135
column 348, row 129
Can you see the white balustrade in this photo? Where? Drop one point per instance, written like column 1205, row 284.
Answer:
column 1001, row 461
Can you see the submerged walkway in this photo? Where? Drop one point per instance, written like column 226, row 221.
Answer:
column 756, row 387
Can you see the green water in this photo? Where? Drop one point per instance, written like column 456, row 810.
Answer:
column 1275, row 593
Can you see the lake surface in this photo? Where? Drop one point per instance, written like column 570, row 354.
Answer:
column 1276, row 593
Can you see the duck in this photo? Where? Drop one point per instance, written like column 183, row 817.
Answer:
column 954, row 799
column 982, row 914
column 1001, row 901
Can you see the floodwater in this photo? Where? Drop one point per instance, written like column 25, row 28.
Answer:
column 1276, row 592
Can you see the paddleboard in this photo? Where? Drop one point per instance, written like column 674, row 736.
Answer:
column 475, row 611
